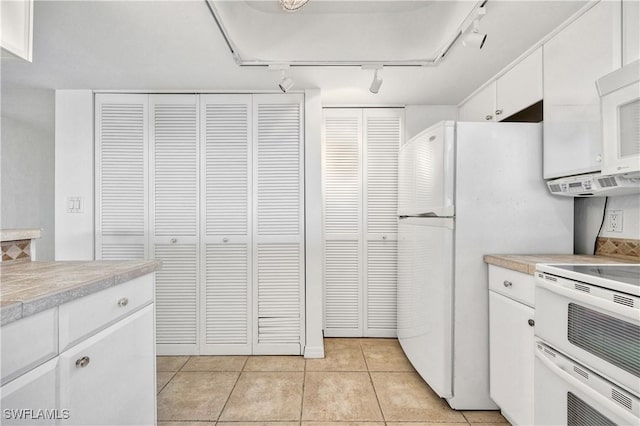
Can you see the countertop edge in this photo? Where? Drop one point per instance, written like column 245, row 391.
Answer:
column 13, row 310
column 19, row 234
column 520, row 263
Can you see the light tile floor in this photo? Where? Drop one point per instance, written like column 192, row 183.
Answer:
column 362, row 382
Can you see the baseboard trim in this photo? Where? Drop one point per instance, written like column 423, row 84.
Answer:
column 314, row 352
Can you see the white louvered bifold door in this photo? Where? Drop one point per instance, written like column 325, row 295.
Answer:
column 343, row 254
column 121, row 176
column 383, row 133
column 278, row 224
column 174, row 219
column 226, row 298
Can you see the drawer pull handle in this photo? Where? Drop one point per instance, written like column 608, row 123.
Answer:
column 123, row 302
column 83, row 362
column 507, row 283
column 531, row 323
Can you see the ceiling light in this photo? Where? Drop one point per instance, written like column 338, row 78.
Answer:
column 286, row 83
column 475, row 38
column 292, row 5
column 377, row 80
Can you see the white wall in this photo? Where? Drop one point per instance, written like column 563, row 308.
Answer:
column 27, row 166
column 420, row 117
column 74, row 174
column 588, row 217
column 314, row 347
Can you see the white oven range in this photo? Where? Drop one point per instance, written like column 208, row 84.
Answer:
column 587, row 368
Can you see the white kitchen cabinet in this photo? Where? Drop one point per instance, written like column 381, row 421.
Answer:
column 630, row 31
column 574, row 59
column 17, row 28
column 515, row 90
column 110, row 377
column 360, row 177
column 520, row 87
column 36, row 389
column 482, row 106
column 511, row 343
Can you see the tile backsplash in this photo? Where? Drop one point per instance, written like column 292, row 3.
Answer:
column 16, row 250
column 623, row 248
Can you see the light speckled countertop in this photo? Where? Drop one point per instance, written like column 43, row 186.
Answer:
column 19, row 234
column 526, row 263
column 30, row 287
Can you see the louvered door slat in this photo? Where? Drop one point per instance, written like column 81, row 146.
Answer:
column 383, row 136
column 176, row 294
column 278, row 224
column 343, row 192
column 382, row 278
column 226, row 226
column 121, row 176
column 175, row 164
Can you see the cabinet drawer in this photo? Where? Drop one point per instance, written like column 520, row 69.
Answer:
column 85, row 316
column 513, row 284
column 28, row 342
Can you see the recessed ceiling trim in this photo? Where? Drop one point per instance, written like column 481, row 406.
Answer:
column 428, row 62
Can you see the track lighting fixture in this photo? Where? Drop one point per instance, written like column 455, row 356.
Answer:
column 377, row 80
column 286, row 83
column 474, row 38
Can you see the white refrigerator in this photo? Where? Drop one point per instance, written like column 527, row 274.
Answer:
column 466, row 190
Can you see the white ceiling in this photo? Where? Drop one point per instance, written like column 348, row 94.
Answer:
column 381, row 31
column 175, row 45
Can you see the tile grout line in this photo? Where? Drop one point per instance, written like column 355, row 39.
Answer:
column 372, row 384
column 217, row 420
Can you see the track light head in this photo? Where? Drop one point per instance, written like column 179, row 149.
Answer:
column 475, row 40
column 377, row 81
column 286, row 84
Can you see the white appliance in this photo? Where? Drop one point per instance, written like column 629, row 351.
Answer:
column 595, row 185
column 588, row 344
column 620, row 109
column 465, row 190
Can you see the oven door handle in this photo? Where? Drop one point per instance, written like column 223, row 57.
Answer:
column 580, row 296
column 600, row 400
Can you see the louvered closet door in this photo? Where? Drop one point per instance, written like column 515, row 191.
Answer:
column 226, row 308
column 121, row 176
column 343, row 255
column 174, row 219
column 278, row 224
column 383, row 132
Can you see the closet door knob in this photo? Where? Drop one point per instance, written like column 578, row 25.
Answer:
column 83, row 362
column 174, row 240
column 225, row 240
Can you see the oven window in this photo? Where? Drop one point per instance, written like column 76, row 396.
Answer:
column 609, row 338
column 579, row 413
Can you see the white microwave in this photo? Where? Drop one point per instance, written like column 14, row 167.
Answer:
column 620, row 108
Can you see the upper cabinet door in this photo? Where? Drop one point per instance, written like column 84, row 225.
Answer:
column 481, row 107
column 631, row 31
column 121, row 176
column 574, row 59
column 17, row 27
column 519, row 87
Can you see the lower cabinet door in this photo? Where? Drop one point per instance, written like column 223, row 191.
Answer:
column 32, row 399
column 511, row 357
column 110, row 377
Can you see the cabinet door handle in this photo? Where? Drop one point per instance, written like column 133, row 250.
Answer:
column 507, row 283
column 531, row 323
column 83, row 362
column 489, row 117
column 123, row 302
column 498, row 111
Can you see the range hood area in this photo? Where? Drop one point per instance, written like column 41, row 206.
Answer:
column 595, row 185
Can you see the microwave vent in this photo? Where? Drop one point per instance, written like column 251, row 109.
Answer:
column 607, row 182
column 555, row 187
column 581, row 287
column 627, row 301
column 621, row 398
column 581, row 372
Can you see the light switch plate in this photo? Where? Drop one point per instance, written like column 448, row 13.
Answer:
column 75, row 204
